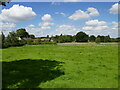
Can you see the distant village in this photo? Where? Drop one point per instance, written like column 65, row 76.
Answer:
column 37, row 40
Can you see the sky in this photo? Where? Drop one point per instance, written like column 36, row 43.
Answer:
column 67, row 18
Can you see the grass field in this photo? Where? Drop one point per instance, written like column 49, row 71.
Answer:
column 60, row 66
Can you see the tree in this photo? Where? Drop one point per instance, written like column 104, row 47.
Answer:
column 97, row 40
column 47, row 36
column 2, row 40
column 4, row 3
column 73, row 38
column 81, row 37
column 32, row 36
column 22, row 33
column 92, row 38
column 107, row 38
column 11, row 40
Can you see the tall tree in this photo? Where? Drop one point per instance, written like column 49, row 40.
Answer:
column 22, row 33
column 2, row 37
column 107, row 38
column 32, row 36
column 11, row 39
column 98, row 40
column 2, row 40
column 92, row 38
column 81, row 37
column 4, row 2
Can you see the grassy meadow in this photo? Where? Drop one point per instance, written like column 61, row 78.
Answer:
column 60, row 66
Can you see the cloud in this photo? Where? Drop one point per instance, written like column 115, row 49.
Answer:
column 46, row 24
column 115, row 25
column 47, row 17
column 40, row 29
column 31, row 25
column 79, row 14
column 45, row 27
column 65, row 29
column 36, row 31
column 114, row 9
column 93, row 12
column 96, row 27
column 61, row 13
column 96, row 22
column 7, row 27
column 17, row 13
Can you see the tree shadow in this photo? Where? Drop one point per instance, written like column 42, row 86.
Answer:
column 29, row 73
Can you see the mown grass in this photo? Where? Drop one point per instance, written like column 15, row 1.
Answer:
column 60, row 66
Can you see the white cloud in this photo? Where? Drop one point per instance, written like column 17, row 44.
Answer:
column 46, row 24
column 31, row 25
column 17, row 13
column 115, row 25
column 65, row 29
column 79, row 14
column 7, row 27
column 36, row 31
column 88, row 28
column 96, row 27
column 96, row 22
column 61, row 13
column 114, row 9
column 47, row 17
column 93, row 12
column 40, row 29
column 45, row 27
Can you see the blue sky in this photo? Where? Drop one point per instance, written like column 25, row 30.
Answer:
column 62, row 18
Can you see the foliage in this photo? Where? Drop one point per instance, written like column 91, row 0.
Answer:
column 92, row 38
column 22, row 33
column 81, row 37
column 63, row 38
column 2, row 40
column 107, row 39
column 11, row 40
column 97, row 40
column 32, row 36
column 104, row 38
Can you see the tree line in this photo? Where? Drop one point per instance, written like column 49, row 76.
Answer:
column 83, row 37
column 13, row 38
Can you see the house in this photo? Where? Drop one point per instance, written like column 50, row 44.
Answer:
column 47, row 39
column 19, row 38
column 37, row 40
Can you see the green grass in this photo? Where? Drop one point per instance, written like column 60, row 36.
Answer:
column 60, row 66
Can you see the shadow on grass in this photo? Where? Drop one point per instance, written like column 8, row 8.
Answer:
column 29, row 73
